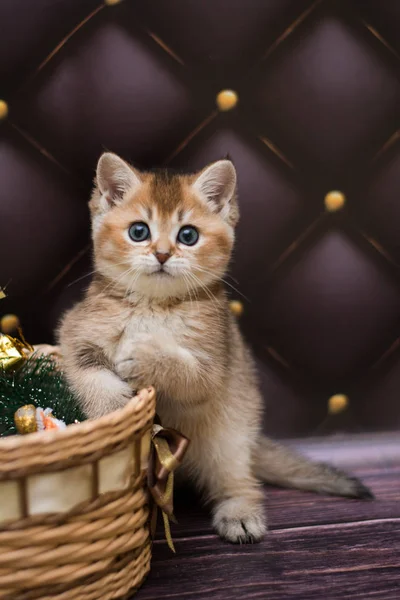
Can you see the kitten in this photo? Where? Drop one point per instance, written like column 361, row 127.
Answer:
column 157, row 313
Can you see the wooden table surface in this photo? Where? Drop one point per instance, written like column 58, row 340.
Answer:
column 318, row 547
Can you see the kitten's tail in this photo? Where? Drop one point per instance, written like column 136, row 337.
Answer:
column 281, row 466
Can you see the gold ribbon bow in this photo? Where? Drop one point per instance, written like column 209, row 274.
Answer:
column 167, row 451
column 13, row 350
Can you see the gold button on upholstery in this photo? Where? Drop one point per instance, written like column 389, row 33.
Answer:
column 3, row 109
column 227, row 99
column 334, row 201
column 236, row 307
column 9, row 323
column 337, row 404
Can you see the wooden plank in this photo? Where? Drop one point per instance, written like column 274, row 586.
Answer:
column 292, row 508
column 348, row 560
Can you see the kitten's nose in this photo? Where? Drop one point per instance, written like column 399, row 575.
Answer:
column 162, row 257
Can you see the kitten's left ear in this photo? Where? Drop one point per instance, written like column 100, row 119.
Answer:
column 216, row 185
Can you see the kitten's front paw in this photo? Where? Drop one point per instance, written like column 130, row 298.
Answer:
column 133, row 359
column 125, row 368
column 240, row 520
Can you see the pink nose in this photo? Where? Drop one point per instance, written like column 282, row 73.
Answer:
column 162, row 257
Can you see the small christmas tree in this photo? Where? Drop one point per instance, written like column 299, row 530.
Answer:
column 40, row 382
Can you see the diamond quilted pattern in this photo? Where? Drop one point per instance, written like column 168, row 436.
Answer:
column 322, row 311
column 299, row 409
column 44, row 211
column 378, row 206
column 384, row 17
column 109, row 88
column 328, row 97
column 218, row 35
column 373, row 397
column 68, row 290
column 41, row 25
column 318, row 110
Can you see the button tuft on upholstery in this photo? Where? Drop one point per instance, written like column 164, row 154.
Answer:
column 334, row 201
column 236, row 308
column 227, row 99
column 337, row 404
column 112, row 2
column 9, row 323
column 3, row 109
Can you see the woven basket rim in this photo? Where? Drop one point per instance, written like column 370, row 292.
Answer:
column 135, row 405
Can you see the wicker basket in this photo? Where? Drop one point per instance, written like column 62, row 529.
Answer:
column 97, row 545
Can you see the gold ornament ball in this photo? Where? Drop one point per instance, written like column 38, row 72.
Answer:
column 236, row 308
column 334, row 201
column 227, row 99
column 111, row 2
column 3, row 109
column 337, row 404
column 25, row 419
column 9, row 323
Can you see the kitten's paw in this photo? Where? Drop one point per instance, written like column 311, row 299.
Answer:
column 240, row 520
column 133, row 359
column 125, row 368
column 107, row 393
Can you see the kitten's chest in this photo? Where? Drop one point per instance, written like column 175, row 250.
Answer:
column 156, row 322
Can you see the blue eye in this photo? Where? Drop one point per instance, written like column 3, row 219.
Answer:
column 188, row 235
column 139, row 232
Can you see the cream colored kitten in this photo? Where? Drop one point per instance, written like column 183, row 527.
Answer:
column 157, row 313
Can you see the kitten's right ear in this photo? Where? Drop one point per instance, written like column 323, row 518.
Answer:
column 114, row 177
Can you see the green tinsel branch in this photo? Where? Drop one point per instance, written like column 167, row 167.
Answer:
column 39, row 382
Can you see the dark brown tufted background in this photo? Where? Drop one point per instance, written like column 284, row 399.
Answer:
column 319, row 107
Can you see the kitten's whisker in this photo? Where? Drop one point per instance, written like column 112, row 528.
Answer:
column 92, row 273
column 205, row 288
column 136, row 274
column 208, row 272
column 115, row 282
column 186, row 274
column 188, row 287
column 195, row 288
column 82, row 277
column 233, row 278
column 211, row 296
column 212, row 273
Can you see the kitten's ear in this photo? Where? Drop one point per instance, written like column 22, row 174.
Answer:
column 216, row 185
column 114, row 178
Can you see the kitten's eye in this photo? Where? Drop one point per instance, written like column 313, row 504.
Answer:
column 188, row 235
column 139, row 232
